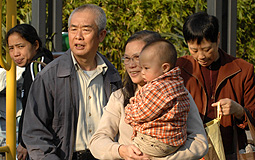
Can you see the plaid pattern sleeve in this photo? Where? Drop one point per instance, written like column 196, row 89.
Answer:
column 160, row 109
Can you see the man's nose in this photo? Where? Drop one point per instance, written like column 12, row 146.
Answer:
column 79, row 34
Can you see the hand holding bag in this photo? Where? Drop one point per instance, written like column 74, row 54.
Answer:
column 216, row 150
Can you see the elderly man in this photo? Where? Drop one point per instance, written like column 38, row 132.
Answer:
column 66, row 99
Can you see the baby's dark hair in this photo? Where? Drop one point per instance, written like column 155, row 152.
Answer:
column 165, row 51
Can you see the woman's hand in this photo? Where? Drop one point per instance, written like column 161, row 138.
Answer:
column 21, row 152
column 229, row 107
column 131, row 152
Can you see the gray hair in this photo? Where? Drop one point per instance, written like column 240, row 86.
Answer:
column 100, row 19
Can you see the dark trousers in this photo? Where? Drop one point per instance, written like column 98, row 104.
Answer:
column 83, row 155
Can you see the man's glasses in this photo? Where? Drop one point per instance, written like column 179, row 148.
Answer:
column 134, row 58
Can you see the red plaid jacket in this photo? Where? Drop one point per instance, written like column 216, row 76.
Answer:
column 160, row 109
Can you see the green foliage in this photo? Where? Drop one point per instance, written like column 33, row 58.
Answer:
column 24, row 11
column 245, row 30
column 125, row 17
column 24, row 15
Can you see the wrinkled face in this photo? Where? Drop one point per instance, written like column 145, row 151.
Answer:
column 132, row 52
column 20, row 50
column 83, row 34
column 151, row 65
column 205, row 53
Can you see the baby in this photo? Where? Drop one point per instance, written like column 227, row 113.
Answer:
column 159, row 110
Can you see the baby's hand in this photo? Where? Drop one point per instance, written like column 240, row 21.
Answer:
column 132, row 100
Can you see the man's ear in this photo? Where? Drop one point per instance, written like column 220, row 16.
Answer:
column 102, row 35
column 166, row 67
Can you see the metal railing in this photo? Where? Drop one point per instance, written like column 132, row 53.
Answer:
column 10, row 67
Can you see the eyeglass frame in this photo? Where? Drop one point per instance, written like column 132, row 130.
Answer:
column 135, row 58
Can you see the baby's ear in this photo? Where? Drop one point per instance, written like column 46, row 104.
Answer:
column 166, row 67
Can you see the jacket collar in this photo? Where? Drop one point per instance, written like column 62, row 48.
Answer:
column 228, row 68
column 66, row 66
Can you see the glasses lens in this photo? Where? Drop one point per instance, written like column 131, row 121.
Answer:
column 134, row 58
column 126, row 60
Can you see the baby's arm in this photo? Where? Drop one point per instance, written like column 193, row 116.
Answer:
column 146, row 107
column 132, row 100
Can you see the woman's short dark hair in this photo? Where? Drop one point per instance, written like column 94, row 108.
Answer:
column 27, row 32
column 129, row 87
column 199, row 26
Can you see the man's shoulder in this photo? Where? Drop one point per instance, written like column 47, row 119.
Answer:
column 60, row 62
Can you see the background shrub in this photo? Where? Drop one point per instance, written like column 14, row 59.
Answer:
column 124, row 17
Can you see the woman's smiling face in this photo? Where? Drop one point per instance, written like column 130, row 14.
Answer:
column 132, row 52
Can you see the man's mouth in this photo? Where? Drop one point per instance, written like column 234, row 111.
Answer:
column 79, row 46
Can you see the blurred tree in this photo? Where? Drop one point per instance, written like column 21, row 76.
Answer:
column 245, row 30
column 24, row 15
column 124, row 17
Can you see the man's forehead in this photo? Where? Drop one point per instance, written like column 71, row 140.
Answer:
column 82, row 26
column 84, row 14
column 82, row 20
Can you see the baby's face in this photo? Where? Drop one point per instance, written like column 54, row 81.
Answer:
column 151, row 65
